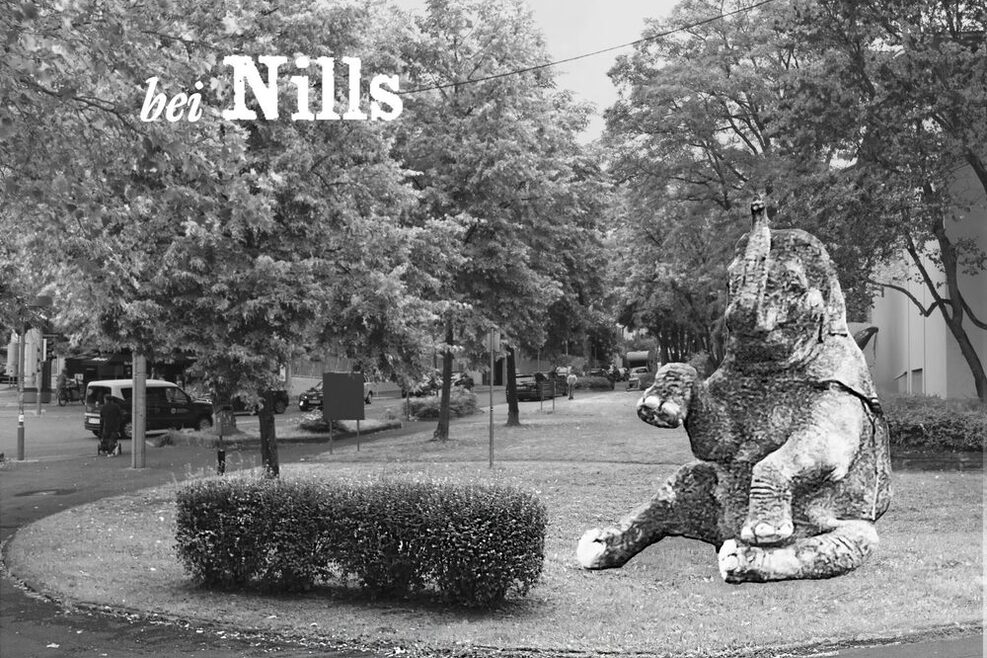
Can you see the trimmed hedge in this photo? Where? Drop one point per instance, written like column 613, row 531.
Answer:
column 461, row 403
column 928, row 422
column 470, row 544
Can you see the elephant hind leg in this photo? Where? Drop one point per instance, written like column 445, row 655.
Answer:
column 685, row 506
column 832, row 553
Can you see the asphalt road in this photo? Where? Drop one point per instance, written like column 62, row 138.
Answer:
column 62, row 470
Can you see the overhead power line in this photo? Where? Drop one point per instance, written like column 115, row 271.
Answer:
column 538, row 67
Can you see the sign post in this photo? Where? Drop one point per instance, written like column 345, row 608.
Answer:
column 494, row 347
column 342, row 399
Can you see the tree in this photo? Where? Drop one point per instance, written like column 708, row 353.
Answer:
column 232, row 241
column 494, row 151
column 912, row 78
column 817, row 105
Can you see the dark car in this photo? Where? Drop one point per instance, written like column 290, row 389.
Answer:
column 240, row 406
column 528, row 387
column 427, row 385
column 312, row 398
column 280, row 403
column 463, row 380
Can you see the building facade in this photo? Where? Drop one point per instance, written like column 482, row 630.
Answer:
column 914, row 354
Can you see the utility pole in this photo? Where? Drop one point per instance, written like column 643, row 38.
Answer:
column 21, row 344
column 138, row 410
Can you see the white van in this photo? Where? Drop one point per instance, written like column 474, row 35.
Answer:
column 168, row 407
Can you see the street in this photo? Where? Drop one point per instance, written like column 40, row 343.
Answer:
column 58, row 432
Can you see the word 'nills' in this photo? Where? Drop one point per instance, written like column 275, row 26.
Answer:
column 385, row 104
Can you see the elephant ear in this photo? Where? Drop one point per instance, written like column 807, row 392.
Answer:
column 841, row 360
column 836, row 358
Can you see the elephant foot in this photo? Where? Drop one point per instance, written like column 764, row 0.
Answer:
column 765, row 533
column 591, row 550
column 741, row 563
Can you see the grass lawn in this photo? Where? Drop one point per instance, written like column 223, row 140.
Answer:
column 590, row 462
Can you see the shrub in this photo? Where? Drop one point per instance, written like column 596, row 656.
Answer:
column 471, row 544
column 595, row 383
column 314, row 422
column 930, row 422
column 461, row 403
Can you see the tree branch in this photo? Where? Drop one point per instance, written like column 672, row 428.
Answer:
column 926, row 312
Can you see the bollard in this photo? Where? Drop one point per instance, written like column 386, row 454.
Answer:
column 20, row 436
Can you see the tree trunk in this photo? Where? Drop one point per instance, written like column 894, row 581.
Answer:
column 442, row 430
column 268, row 438
column 954, row 320
column 513, row 412
column 969, row 353
column 952, row 309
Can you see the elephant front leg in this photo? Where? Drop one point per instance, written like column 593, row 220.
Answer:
column 823, row 448
column 823, row 556
column 685, row 505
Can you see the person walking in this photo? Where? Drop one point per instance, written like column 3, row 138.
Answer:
column 570, row 383
column 110, row 422
column 61, row 390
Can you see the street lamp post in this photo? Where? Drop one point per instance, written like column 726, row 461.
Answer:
column 21, row 344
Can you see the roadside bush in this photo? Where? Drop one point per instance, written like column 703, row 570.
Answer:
column 314, row 422
column 471, row 545
column 933, row 423
column 461, row 403
column 594, row 383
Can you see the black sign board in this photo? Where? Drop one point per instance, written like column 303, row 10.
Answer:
column 342, row 396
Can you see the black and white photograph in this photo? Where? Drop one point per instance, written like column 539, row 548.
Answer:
column 493, row 328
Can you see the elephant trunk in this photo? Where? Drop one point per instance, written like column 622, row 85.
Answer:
column 749, row 300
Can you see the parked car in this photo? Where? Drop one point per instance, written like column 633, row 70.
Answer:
column 312, row 398
column 281, row 403
column 527, row 387
column 167, row 406
column 463, row 379
column 427, row 385
column 635, row 376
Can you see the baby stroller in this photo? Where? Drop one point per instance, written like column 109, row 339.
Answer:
column 109, row 446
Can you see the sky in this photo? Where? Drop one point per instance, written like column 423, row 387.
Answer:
column 575, row 27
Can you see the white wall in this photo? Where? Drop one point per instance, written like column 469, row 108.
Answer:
column 919, row 355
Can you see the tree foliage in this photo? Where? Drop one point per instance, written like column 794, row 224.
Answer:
column 497, row 155
column 237, row 242
column 839, row 110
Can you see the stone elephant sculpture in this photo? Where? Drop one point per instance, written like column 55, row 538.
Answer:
column 793, row 465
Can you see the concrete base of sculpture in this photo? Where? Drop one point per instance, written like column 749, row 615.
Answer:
column 794, row 466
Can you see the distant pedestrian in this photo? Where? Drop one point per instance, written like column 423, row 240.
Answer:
column 570, row 383
column 110, row 424
column 61, row 387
